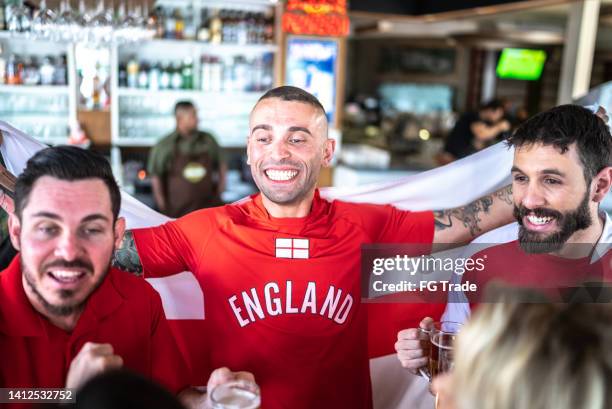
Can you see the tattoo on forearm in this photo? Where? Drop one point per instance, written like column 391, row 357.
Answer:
column 468, row 216
column 505, row 195
column 126, row 257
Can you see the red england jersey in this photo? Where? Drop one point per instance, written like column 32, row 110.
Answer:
column 124, row 312
column 282, row 295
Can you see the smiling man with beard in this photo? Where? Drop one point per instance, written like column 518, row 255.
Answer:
column 65, row 314
column 560, row 175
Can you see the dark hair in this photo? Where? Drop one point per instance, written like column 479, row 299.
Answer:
column 289, row 93
column 183, row 105
column 121, row 389
column 563, row 126
column 493, row 104
column 66, row 163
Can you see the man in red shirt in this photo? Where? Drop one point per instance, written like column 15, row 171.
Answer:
column 65, row 315
column 280, row 270
column 561, row 173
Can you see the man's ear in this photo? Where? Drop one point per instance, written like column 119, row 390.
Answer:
column 119, row 231
column 600, row 186
column 328, row 153
column 14, row 229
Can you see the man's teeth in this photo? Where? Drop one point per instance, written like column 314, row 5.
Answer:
column 281, row 174
column 539, row 220
column 63, row 275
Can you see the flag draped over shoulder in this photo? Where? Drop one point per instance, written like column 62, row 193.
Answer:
column 449, row 186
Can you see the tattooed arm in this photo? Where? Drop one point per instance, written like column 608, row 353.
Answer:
column 126, row 257
column 454, row 227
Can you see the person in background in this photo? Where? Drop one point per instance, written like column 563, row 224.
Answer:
column 476, row 130
column 186, row 166
column 515, row 355
column 65, row 314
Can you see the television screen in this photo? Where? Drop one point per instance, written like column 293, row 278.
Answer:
column 521, row 64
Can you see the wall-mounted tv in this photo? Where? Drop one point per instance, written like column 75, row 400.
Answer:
column 521, row 64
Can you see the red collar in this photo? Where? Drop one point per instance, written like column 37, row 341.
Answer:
column 19, row 318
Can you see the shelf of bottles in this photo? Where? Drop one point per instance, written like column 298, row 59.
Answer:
column 35, row 94
column 219, row 55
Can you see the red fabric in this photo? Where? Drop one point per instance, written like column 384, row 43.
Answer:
column 124, row 312
column 302, row 355
column 554, row 276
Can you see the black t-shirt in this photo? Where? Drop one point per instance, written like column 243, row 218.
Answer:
column 459, row 141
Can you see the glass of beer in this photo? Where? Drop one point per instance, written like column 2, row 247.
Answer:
column 437, row 344
column 239, row 394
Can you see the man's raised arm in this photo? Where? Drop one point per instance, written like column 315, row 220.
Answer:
column 126, row 257
column 454, row 227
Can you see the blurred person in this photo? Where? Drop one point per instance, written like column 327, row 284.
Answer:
column 476, row 130
column 186, row 166
column 65, row 314
column 561, row 173
column 514, row 355
column 124, row 389
column 280, row 269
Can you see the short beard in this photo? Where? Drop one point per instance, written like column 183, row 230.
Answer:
column 60, row 310
column 570, row 222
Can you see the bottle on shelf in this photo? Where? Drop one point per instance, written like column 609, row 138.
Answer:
column 160, row 22
column 176, row 79
column 143, row 75
column 122, row 77
column 190, row 27
column 170, row 25
column 60, row 74
column 164, row 78
column 204, row 30
column 216, row 28
column 154, row 77
column 179, row 24
column 13, row 70
column 47, row 71
column 187, row 73
column 2, row 15
column 132, row 72
column 2, row 70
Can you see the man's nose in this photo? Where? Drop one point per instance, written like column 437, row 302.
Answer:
column 534, row 197
column 279, row 151
column 68, row 247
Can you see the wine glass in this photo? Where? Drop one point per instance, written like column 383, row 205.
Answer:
column 19, row 20
column 43, row 21
column 101, row 25
column 66, row 24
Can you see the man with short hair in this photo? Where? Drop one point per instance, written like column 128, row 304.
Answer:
column 186, row 166
column 280, row 270
column 476, row 130
column 65, row 314
column 562, row 171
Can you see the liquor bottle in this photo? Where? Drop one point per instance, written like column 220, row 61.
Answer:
column 164, row 78
column 14, row 70
column 242, row 29
column 154, row 77
column 204, row 30
column 2, row 16
column 132, row 72
column 190, row 28
column 170, row 25
column 2, row 70
column 269, row 27
column 47, row 71
column 122, row 78
column 143, row 75
column 205, row 73
column 60, row 74
column 160, row 22
column 176, row 79
column 187, row 73
column 179, row 24
column 216, row 27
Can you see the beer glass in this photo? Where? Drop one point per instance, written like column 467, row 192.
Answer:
column 236, row 395
column 437, row 344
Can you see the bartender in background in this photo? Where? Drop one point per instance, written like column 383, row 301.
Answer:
column 476, row 130
column 186, row 166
